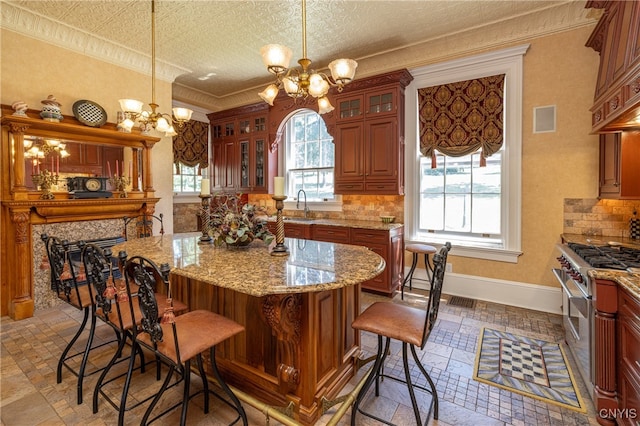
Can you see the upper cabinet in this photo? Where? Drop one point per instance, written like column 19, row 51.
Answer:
column 242, row 160
column 619, row 171
column 369, row 136
column 617, row 39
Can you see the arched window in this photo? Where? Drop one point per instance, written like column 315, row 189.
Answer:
column 309, row 156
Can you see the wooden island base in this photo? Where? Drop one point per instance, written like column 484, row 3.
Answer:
column 297, row 347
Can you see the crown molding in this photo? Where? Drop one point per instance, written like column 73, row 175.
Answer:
column 34, row 25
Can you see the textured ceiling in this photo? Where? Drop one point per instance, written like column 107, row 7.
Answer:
column 214, row 45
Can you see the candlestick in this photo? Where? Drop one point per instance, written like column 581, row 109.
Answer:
column 45, row 180
column 205, row 218
column 280, row 249
column 120, row 184
column 278, row 186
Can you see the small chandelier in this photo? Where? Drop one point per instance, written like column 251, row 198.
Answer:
column 38, row 148
column 132, row 109
column 299, row 83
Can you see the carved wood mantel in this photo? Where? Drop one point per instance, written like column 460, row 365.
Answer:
column 22, row 207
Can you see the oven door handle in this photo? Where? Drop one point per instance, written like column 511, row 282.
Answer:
column 581, row 302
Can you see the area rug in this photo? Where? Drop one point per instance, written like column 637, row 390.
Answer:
column 530, row 367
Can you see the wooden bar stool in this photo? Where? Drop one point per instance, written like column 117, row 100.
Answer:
column 417, row 249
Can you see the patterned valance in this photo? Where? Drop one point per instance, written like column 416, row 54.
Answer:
column 191, row 144
column 457, row 119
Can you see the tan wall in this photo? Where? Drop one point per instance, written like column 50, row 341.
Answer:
column 31, row 70
column 558, row 70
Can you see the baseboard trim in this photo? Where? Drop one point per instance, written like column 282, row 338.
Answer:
column 513, row 293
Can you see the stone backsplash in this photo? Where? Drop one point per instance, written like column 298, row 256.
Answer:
column 354, row 207
column 605, row 218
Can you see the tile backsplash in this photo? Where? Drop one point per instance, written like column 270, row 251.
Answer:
column 606, row 218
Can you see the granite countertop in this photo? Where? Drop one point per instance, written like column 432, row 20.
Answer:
column 630, row 281
column 348, row 223
column 310, row 265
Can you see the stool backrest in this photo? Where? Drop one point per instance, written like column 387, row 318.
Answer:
column 98, row 266
column 437, row 280
column 144, row 276
column 63, row 275
column 141, row 226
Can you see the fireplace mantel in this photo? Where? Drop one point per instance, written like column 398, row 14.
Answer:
column 22, row 208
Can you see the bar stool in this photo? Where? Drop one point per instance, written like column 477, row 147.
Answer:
column 417, row 249
column 410, row 326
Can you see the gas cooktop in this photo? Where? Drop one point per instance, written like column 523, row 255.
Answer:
column 608, row 257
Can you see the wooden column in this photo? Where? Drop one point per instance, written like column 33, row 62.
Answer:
column 135, row 154
column 22, row 304
column 606, row 307
column 17, row 131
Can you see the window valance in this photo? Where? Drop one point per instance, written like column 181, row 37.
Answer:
column 457, row 119
column 191, row 144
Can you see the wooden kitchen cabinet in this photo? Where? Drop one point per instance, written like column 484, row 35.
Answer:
column 84, row 159
column 628, row 347
column 369, row 141
column 241, row 159
column 389, row 245
column 620, row 165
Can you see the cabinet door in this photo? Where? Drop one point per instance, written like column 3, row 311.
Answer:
column 224, row 169
column 381, row 102
column 610, row 164
column 349, row 152
column 350, row 107
column 629, row 159
column 381, row 142
column 245, row 166
column 92, row 155
column 259, row 165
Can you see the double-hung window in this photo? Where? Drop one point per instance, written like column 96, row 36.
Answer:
column 454, row 198
column 309, row 157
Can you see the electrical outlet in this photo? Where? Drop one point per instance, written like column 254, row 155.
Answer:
column 448, row 267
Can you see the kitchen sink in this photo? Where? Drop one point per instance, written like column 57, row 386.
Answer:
column 299, row 219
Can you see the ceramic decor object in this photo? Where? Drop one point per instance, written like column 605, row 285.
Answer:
column 51, row 109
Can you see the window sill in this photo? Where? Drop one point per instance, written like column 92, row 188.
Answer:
column 458, row 248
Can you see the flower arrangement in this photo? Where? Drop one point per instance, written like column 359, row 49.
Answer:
column 236, row 224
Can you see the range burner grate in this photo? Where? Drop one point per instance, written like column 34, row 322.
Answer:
column 608, row 257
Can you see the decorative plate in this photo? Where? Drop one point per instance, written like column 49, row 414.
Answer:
column 89, row 113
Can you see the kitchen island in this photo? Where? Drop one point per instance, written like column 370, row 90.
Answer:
column 298, row 347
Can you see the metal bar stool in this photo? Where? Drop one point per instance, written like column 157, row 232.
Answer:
column 416, row 250
column 411, row 326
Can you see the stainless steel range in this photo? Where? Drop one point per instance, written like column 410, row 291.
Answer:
column 577, row 308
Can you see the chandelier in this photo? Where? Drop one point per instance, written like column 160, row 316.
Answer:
column 38, row 148
column 132, row 109
column 299, row 83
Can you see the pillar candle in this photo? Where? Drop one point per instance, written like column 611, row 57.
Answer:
column 52, row 169
column 116, row 167
column 58, row 165
column 109, row 168
column 278, row 186
column 205, row 187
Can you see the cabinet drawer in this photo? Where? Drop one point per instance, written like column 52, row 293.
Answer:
column 297, row 230
column 348, row 187
column 334, row 234
column 366, row 236
column 386, row 187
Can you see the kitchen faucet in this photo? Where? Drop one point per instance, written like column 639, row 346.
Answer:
column 306, row 209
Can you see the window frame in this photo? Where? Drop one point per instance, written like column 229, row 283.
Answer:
column 334, row 204
column 506, row 61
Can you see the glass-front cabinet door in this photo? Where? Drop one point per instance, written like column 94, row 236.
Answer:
column 253, row 165
column 381, row 102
